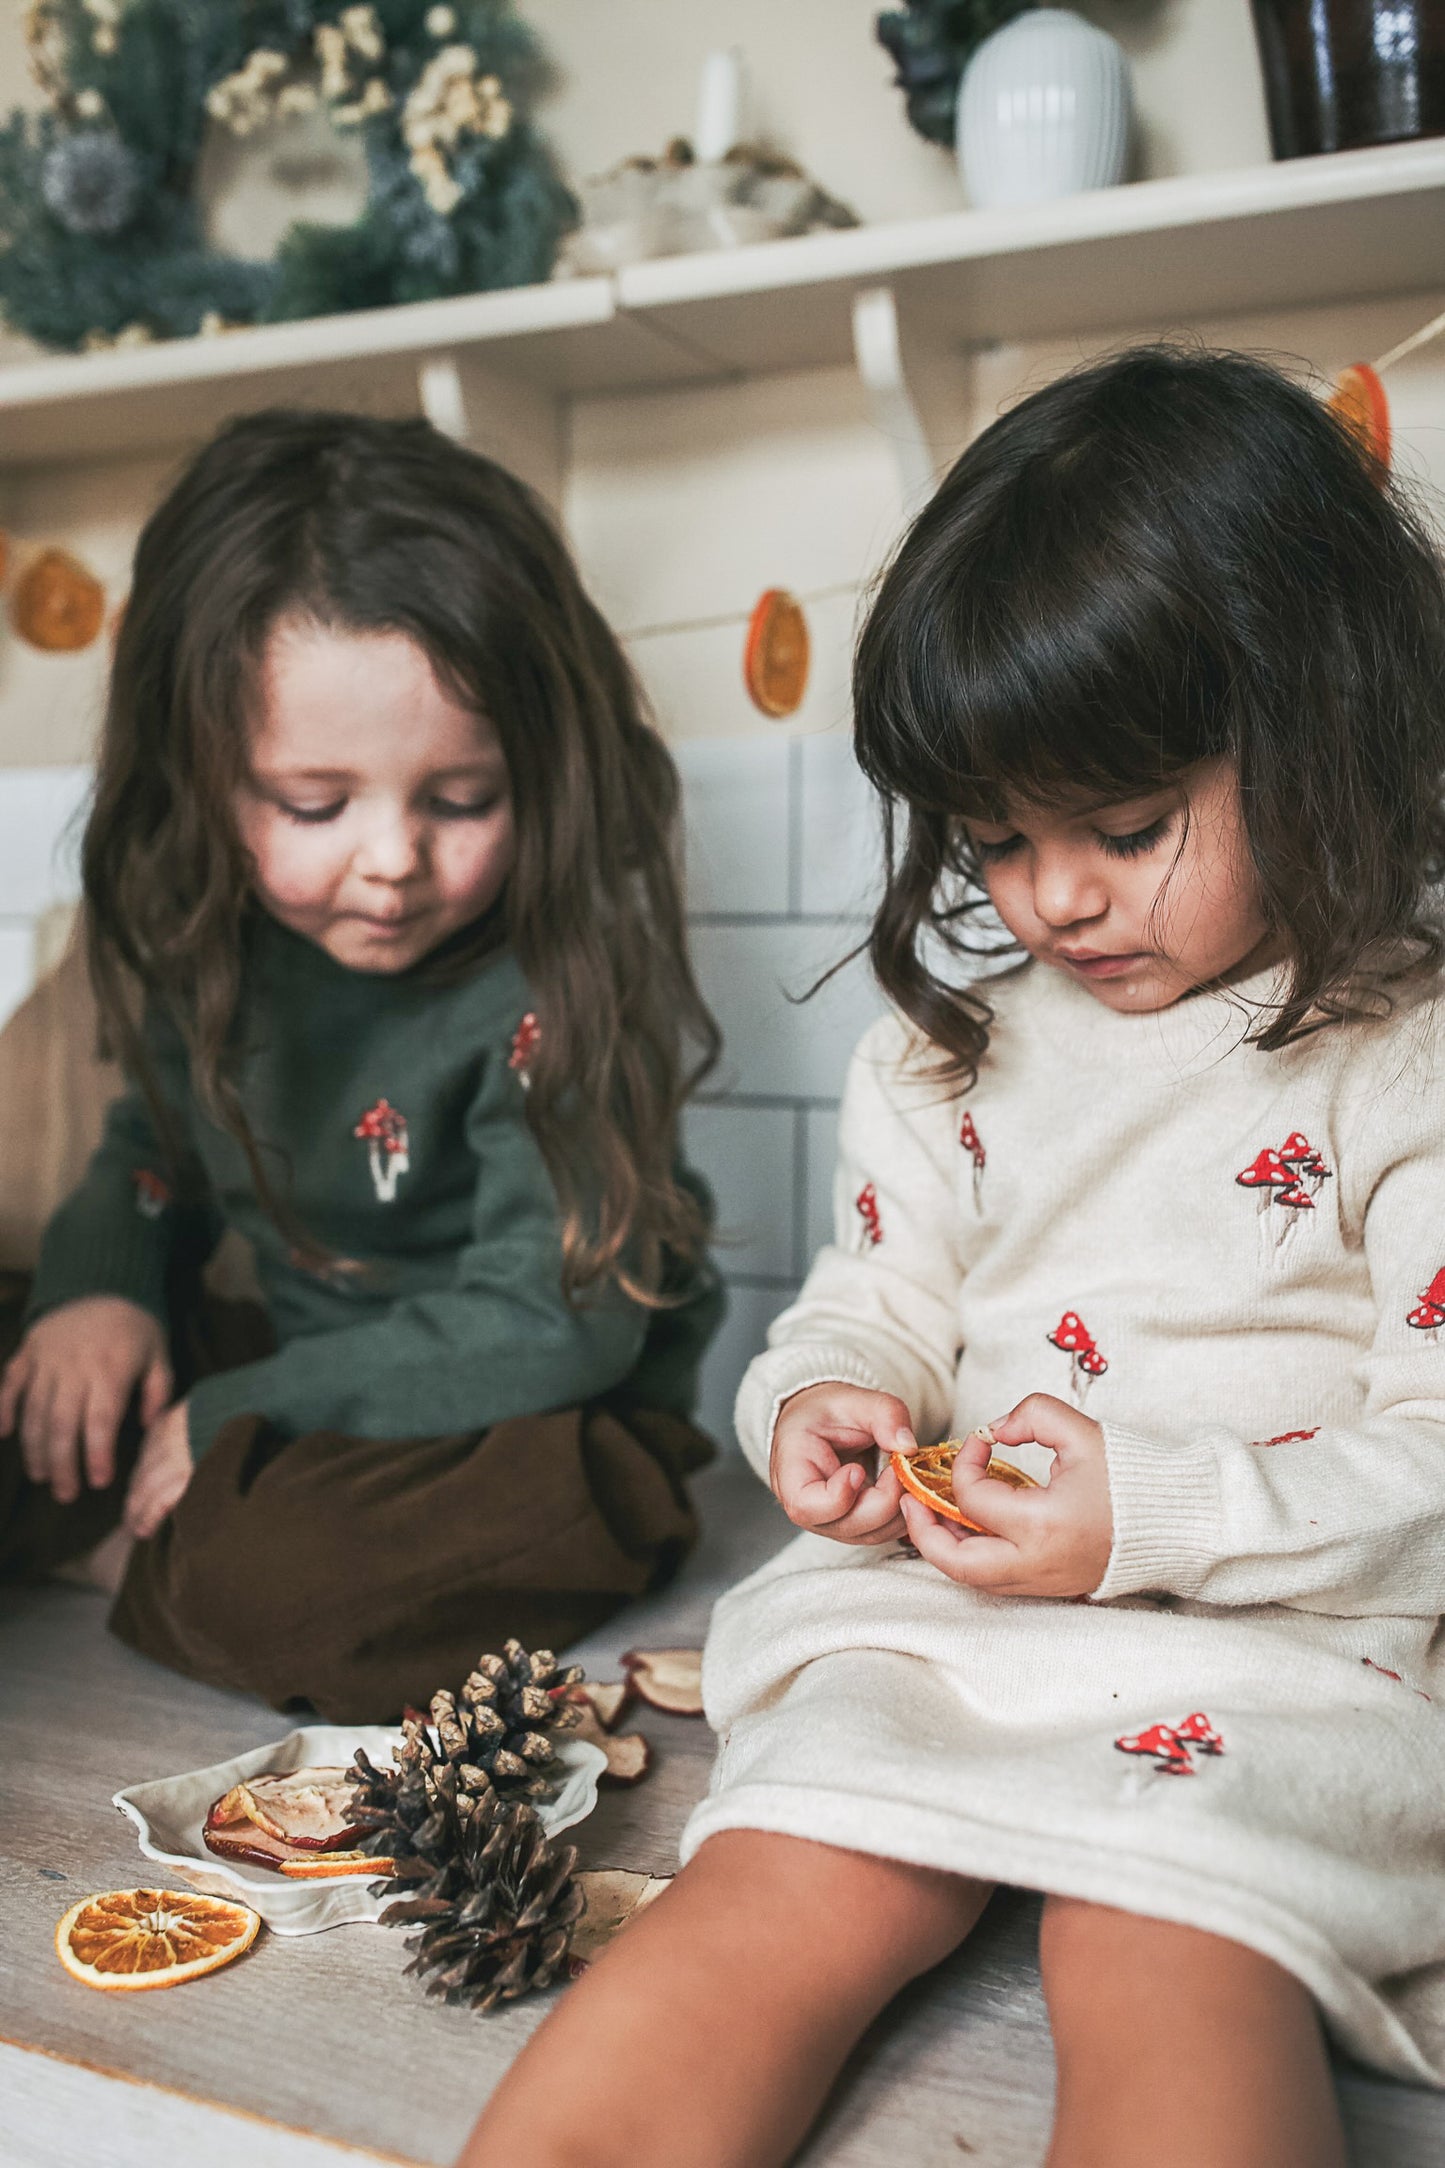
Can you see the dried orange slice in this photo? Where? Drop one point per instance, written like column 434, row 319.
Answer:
column 326, row 1866
column 59, row 604
column 1358, row 400
column 133, row 1938
column 928, row 1473
column 775, row 660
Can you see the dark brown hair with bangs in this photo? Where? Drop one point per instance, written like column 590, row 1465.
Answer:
column 370, row 526
column 1166, row 558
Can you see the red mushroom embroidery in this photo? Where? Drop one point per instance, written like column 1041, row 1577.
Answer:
column 866, row 1202
column 1288, row 1437
column 968, row 1137
column 525, row 1041
column 1163, row 1743
column 152, row 1195
column 1198, row 1732
column 1288, row 1179
column 1430, row 1316
column 1073, row 1337
column 1170, row 1744
column 383, row 1131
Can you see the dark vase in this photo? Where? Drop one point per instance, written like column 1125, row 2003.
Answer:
column 1342, row 73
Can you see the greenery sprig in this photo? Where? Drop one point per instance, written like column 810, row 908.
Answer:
column 931, row 42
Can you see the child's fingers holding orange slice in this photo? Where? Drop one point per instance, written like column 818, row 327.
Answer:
column 136, row 1938
column 928, row 1475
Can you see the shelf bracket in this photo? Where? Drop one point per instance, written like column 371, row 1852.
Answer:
column 878, row 353
column 921, row 405
column 443, row 402
column 517, row 424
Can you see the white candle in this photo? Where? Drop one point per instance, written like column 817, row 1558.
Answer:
column 719, row 101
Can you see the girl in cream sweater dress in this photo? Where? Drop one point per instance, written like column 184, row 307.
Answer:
column 1155, row 693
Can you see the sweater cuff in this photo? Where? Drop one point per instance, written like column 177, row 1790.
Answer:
column 783, row 1371
column 1166, row 1507
column 128, row 1257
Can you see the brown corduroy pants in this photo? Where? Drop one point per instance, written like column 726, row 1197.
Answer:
column 356, row 1575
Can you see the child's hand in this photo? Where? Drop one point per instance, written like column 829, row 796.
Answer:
column 161, row 1474
column 1051, row 1542
column 816, row 1467
column 70, row 1382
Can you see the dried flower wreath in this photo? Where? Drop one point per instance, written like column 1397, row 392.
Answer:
column 101, row 239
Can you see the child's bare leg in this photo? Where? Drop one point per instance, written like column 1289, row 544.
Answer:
column 709, row 2033
column 1174, row 2045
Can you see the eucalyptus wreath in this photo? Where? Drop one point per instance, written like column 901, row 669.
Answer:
column 101, row 237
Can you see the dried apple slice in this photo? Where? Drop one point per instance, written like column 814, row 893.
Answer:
column 310, row 1808
column 230, row 1807
column 245, row 1842
column 607, row 1698
column 611, row 1897
column 629, row 1757
column 669, row 1679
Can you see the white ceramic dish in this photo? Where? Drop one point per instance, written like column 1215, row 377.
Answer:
column 169, row 1813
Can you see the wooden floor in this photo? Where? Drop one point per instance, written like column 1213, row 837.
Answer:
column 337, row 2055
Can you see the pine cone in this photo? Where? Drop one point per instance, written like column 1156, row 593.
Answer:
column 493, row 1740
column 497, row 1917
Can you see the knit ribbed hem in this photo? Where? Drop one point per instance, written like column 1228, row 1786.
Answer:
column 127, row 1257
column 1166, row 1506
column 783, row 1371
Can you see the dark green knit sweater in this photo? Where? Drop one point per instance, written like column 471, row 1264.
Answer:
column 396, row 1111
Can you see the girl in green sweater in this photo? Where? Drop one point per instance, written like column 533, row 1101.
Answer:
column 384, row 923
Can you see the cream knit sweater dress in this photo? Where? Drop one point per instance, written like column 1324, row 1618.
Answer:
column 1235, row 1262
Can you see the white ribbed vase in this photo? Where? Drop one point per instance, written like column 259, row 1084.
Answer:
column 1043, row 111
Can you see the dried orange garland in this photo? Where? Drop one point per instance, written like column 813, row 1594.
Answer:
column 58, row 605
column 777, row 654
column 1359, row 401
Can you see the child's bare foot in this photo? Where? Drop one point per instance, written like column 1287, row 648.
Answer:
column 102, row 1568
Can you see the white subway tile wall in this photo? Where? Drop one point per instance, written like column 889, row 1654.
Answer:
column 755, row 974
column 841, row 864
column 683, row 508
column 764, row 1131
column 41, row 814
column 737, row 804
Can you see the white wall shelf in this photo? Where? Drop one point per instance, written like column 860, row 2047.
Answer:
column 1310, row 231
column 1307, row 231
column 558, row 339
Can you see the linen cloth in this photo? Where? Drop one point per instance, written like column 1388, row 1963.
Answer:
column 1235, row 1261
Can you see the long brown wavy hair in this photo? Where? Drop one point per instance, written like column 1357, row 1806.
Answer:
column 1169, row 557
column 370, row 525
